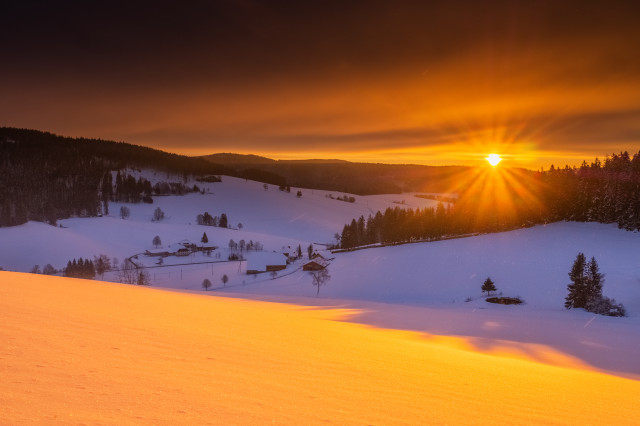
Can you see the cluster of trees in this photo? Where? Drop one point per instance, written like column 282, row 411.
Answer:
column 345, row 198
column 606, row 192
column 129, row 190
column 401, row 225
column 210, row 179
column 585, row 289
column 80, row 269
column 85, row 268
column 208, row 220
column 130, row 274
column 206, row 283
column 243, row 246
column 47, row 270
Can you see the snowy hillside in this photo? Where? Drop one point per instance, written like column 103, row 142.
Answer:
column 84, row 352
column 429, row 287
column 275, row 218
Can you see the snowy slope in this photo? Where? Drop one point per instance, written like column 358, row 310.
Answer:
column 277, row 219
column 532, row 263
column 83, row 352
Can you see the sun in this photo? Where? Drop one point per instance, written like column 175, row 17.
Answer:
column 493, row 159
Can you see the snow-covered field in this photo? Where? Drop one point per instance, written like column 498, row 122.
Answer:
column 432, row 287
column 84, row 352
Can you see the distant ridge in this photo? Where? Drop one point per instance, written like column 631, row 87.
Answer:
column 229, row 159
column 341, row 175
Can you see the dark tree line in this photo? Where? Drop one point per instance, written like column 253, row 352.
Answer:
column 606, row 192
column 80, row 269
column 208, row 220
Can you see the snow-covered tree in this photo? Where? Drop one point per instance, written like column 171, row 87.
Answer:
column 158, row 214
column 577, row 297
column 594, row 280
column 206, row 284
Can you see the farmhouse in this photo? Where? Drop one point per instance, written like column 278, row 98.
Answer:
column 183, row 252
column 315, row 265
column 259, row 262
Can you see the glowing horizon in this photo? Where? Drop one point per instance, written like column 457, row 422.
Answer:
column 538, row 84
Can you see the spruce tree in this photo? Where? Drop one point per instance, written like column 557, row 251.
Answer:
column 488, row 286
column 577, row 297
column 594, row 281
column 204, row 238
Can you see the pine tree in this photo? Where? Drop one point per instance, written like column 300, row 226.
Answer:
column 488, row 286
column 204, row 238
column 577, row 297
column 223, row 221
column 594, row 281
column 157, row 241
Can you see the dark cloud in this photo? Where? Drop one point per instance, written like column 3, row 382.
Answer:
column 327, row 76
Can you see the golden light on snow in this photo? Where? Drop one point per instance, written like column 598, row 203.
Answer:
column 76, row 351
column 494, row 159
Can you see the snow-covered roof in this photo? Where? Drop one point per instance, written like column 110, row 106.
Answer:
column 258, row 261
column 157, row 251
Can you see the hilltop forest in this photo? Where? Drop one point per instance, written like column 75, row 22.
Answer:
column 46, row 177
column 605, row 192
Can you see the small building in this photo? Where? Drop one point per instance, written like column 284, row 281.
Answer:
column 183, row 252
column 206, row 247
column 258, row 262
column 275, row 267
column 314, row 265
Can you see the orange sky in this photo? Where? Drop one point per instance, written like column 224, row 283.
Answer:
column 438, row 83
